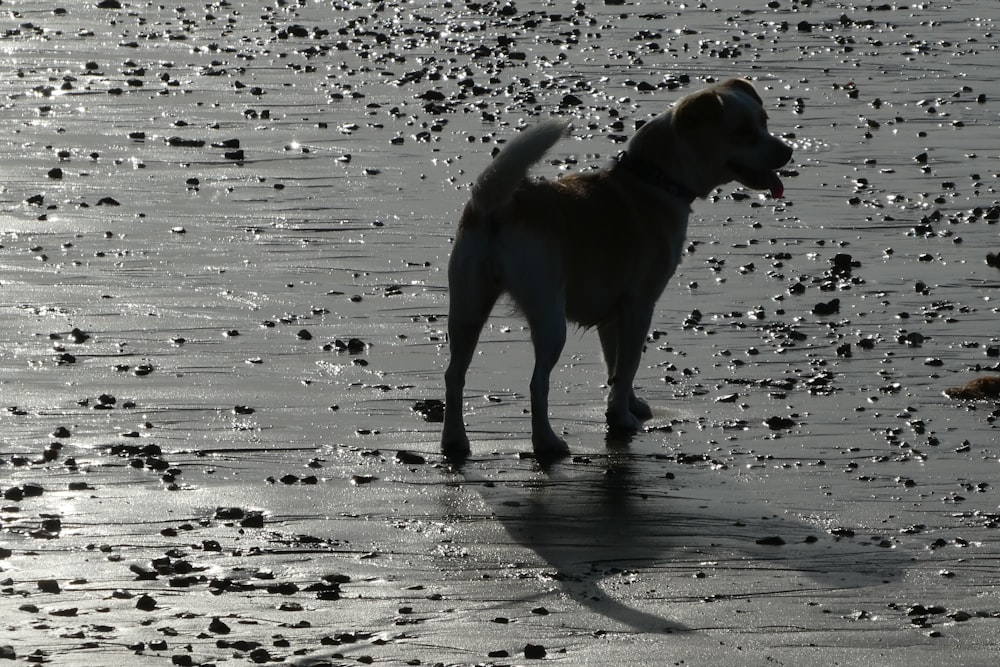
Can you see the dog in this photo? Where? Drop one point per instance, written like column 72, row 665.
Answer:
column 595, row 248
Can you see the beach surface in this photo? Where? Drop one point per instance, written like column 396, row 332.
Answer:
column 224, row 229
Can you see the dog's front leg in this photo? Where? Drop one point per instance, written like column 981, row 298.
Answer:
column 608, row 333
column 626, row 336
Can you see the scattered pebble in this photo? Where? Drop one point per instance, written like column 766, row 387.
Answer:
column 49, row 586
column 535, row 652
column 830, row 307
column 408, row 458
column 776, row 423
column 145, row 603
column 92, row 231
column 432, row 409
column 218, row 627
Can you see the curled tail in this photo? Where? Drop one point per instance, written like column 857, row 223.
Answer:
column 498, row 181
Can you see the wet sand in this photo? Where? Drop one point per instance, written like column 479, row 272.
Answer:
column 224, row 232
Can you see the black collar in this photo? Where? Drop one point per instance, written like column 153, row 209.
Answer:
column 654, row 176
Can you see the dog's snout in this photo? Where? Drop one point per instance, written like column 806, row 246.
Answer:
column 785, row 152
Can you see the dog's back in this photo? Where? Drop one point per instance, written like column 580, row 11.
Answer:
column 501, row 178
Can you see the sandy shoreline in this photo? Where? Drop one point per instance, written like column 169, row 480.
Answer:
column 203, row 205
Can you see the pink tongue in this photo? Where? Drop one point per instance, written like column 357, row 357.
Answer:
column 777, row 187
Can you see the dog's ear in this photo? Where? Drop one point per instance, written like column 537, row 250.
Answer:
column 698, row 110
column 745, row 86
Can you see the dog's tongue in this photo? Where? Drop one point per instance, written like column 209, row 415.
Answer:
column 777, row 187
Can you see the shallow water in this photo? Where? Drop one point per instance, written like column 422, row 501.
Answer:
column 210, row 288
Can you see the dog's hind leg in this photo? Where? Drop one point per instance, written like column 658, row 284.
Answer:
column 548, row 335
column 607, row 331
column 472, row 293
column 544, row 307
column 535, row 279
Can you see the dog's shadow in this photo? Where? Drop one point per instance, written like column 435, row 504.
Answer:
column 601, row 520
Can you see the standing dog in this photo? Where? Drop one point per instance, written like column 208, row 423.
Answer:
column 595, row 248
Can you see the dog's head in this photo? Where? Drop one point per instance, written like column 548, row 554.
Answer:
column 716, row 136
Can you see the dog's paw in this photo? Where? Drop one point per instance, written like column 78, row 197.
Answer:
column 625, row 422
column 639, row 408
column 549, row 447
column 456, row 448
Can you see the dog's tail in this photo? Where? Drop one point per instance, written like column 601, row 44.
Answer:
column 499, row 181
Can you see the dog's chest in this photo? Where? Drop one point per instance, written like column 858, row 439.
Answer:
column 674, row 237
column 662, row 253
column 627, row 264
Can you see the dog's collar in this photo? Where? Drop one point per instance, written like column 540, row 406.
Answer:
column 654, row 176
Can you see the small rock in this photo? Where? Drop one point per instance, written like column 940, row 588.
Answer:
column 77, row 336
column 31, row 490
column 431, row 409
column 912, row 339
column 534, row 652
column 830, row 307
column 218, row 627
column 229, row 513
column 185, row 143
column 843, row 263
column 145, row 603
column 284, row 588
column 779, row 423
column 409, row 458
column 260, row 655
column 65, row 612
column 49, row 586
